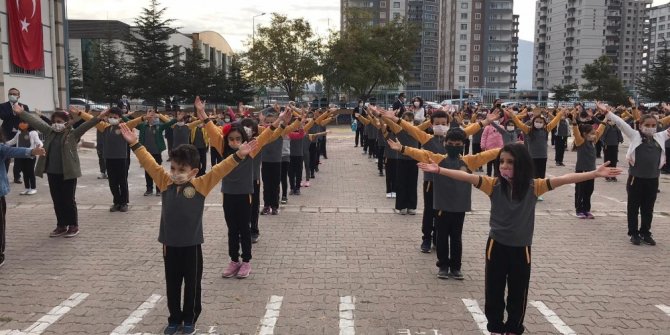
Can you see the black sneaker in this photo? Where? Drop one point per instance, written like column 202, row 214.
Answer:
column 635, row 239
column 443, row 273
column 284, row 200
column 114, row 208
column 16, row 181
column 265, row 211
column 456, row 274
column 275, row 211
column 148, row 193
column 647, row 239
column 123, row 208
column 425, row 247
column 296, row 192
column 255, row 238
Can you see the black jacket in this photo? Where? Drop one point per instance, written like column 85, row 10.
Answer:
column 10, row 121
column 400, row 107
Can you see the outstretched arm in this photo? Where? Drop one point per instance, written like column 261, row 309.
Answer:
column 573, row 178
column 459, row 175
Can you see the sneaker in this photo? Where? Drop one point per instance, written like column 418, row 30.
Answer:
column 25, row 192
column 389, row 195
column 411, row 211
column 443, row 273
column 647, row 239
column 540, row 199
column 265, row 211
column 307, row 183
column 147, row 193
column 365, row 152
column 581, row 216
column 284, row 200
column 17, row 181
column 289, row 193
column 393, row 195
column 312, row 177
column 123, row 208
column 32, row 192
column 296, row 192
column 114, row 208
column 635, row 239
column 275, row 211
column 302, row 184
column 614, row 179
column 171, row 329
column 2, row 260
column 102, row 176
column 456, row 274
column 231, row 270
column 425, row 247
column 589, row 216
column 158, row 193
column 255, row 238
column 188, row 329
column 59, row 231
column 72, row 231
column 403, row 211
column 244, row 271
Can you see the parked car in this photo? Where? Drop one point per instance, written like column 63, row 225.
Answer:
column 83, row 103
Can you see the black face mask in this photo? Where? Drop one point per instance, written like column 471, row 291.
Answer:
column 453, row 151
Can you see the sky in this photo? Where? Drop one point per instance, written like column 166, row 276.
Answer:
column 233, row 19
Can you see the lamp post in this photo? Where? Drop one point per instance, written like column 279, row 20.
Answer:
column 253, row 34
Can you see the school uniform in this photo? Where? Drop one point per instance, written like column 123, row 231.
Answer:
column 271, row 172
column 30, row 140
column 151, row 136
column 99, row 143
column 181, row 233
column 297, row 143
column 285, row 165
column 561, row 140
column 586, row 161
column 200, row 140
column 536, row 141
column 508, row 253
column 407, row 170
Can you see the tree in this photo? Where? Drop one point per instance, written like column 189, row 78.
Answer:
column 363, row 57
column 284, row 54
column 563, row 93
column 602, row 82
column 195, row 74
column 239, row 88
column 76, row 83
column 655, row 83
column 153, row 58
column 107, row 77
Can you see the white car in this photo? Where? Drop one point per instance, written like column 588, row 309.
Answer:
column 81, row 102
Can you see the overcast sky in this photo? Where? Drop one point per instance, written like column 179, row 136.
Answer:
column 232, row 19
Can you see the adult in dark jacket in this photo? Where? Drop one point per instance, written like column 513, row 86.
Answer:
column 360, row 127
column 10, row 124
column 399, row 105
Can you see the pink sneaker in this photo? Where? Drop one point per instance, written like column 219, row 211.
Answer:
column 244, row 270
column 232, row 269
column 307, row 183
column 302, row 183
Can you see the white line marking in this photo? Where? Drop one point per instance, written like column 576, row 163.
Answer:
column 477, row 314
column 52, row 316
column 553, row 318
column 347, row 307
column 136, row 316
column 268, row 322
column 664, row 308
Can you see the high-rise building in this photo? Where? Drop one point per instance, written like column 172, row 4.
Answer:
column 374, row 11
column 658, row 33
column 572, row 33
column 423, row 72
column 479, row 43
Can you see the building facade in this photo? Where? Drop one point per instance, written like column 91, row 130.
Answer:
column 658, row 33
column 45, row 88
column 423, row 71
column 572, row 33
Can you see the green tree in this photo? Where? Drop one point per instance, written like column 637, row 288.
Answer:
column 107, row 79
column 602, row 82
column 195, row 74
column 655, row 83
column 284, row 54
column 239, row 87
column 153, row 58
column 76, row 84
column 563, row 92
column 363, row 57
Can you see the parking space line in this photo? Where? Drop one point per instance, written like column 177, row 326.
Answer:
column 54, row 315
column 268, row 322
column 347, row 307
column 477, row 314
column 136, row 316
column 664, row 308
column 553, row 318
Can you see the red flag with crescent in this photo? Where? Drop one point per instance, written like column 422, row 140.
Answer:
column 26, row 45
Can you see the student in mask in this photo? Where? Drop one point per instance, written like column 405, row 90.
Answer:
column 181, row 130
column 586, row 138
column 562, row 133
column 151, row 132
column 451, row 198
column 27, row 137
column 611, row 139
column 61, row 164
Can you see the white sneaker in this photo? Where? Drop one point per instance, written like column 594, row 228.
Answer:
column 25, row 192
column 393, row 195
column 540, row 199
column 32, row 192
column 389, row 195
column 411, row 211
column 403, row 211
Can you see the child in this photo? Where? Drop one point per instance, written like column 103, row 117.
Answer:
column 297, row 143
column 513, row 198
column 7, row 152
column 492, row 138
column 271, row 167
column 151, row 137
column 451, row 198
column 181, row 230
column 646, row 156
column 561, row 140
column 585, row 140
column 27, row 137
column 407, row 172
column 200, row 140
column 612, row 137
column 181, row 130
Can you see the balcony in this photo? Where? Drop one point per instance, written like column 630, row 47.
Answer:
column 570, row 28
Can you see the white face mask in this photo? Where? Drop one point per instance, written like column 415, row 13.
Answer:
column 180, row 123
column 226, row 120
column 13, row 98
column 58, row 127
column 496, row 122
column 249, row 131
column 417, row 104
column 649, row 131
column 440, row 130
column 180, row 178
column 511, row 128
column 114, row 121
column 539, row 125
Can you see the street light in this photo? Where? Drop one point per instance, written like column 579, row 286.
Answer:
column 253, row 34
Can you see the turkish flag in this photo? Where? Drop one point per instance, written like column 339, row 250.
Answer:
column 25, row 33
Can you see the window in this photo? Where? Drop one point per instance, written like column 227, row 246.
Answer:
column 476, row 47
column 475, row 68
column 475, row 79
column 464, row 16
column 464, row 37
column 382, row 15
column 478, row 27
column 382, row 4
column 464, row 26
column 478, row 37
column 478, row 5
column 34, row 73
column 462, row 48
column 461, row 79
column 661, row 27
column 462, row 68
column 464, row 5
column 462, row 58
column 478, row 16
column 475, row 58
column 396, row 4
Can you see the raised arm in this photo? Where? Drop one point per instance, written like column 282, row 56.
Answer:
column 600, row 131
column 415, row 131
column 579, row 140
column 522, row 126
column 625, row 128
column 474, row 162
column 554, row 122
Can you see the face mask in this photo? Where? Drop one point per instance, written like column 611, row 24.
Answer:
column 13, row 98
column 417, row 104
column 496, row 122
column 453, row 151
column 440, row 130
column 649, row 131
column 226, row 120
column 180, row 178
column 58, row 127
column 23, row 126
column 539, row 125
column 114, row 121
column 181, row 123
column 249, row 131
column 156, row 122
column 507, row 174
column 510, row 128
